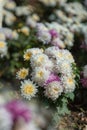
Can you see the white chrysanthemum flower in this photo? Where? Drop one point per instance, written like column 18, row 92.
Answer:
column 53, row 90
column 41, row 27
column 14, row 35
column 69, row 39
column 57, row 42
column 85, row 71
column 35, row 17
column 28, row 89
column 5, row 120
column 41, row 60
column 10, row 5
column 68, row 56
column 63, row 67
column 68, row 83
column 51, row 51
column 3, row 48
column 58, row 54
column 25, row 30
column 29, row 52
column 52, row 2
column 22, row 10
column 48, row 2
column 22, row 73
column 9, row 18
column 44, row 36
column 40, row 75
column 31, row 22
column 2, row 36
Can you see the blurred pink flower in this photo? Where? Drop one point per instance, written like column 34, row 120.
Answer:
column 19, row 110
column 84, row 82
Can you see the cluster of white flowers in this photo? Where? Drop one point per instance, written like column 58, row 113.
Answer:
column 52, row 2
column 63, row 61
column 9, row 7
column 71, row 13
column 72, row 16
column 66, row 37
column 11, row 11
column 55, row 34
column 6, row 33
column 28, row 11
column 51, row 69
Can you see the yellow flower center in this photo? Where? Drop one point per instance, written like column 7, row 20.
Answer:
column 25, row 31
column 70, row 80
column 40, row 74
column 27, row 56
column 2, row 44
column 23, row 73
column 60, row 54
column 56, row 89
column 65, row 65
column 28, row 89
column 40, row 59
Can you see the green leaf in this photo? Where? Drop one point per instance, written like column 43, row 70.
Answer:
column 70, row 96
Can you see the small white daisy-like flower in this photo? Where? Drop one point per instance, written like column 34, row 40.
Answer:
column 68, row 56
column 9, row 18
column 28, row 89
column 58, row 54
column 5, row 120
column 40, row 75
column 39, row 60
column 10, row 5
column 22, row 73
column 57, row 42
column 25, row 30
column 43, row 33
column 14, row 35
column 2, row 36
column 3, row 48
column 30, row 52
column 44, row 36
column 40, row 27
column 68, row 84
column 53, row 90
column 51, row 50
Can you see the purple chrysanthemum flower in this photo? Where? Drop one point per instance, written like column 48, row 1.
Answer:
column 53, row 33
column 52, row 78
column 84, row 82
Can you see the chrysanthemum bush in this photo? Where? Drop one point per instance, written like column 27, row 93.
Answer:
column 13, row 14
column 51, row 76
column 42, row 36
